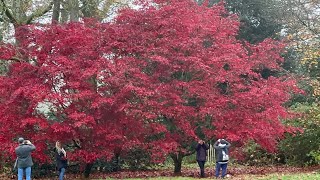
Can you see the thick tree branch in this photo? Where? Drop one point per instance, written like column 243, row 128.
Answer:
column 8, row 13
column 39, row 13
column 56, row 11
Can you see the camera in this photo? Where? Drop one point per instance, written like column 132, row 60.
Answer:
column 26, row 142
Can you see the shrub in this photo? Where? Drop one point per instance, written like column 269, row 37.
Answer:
column 137, row 159
column 257, row 156
column 302, row 148
column 113, row 165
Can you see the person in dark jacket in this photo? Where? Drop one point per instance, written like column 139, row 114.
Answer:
column 221, row 147
column 201, row 155
column 61, row 159
column 24, row 159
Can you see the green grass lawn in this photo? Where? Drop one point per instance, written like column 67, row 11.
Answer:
column 298, row 176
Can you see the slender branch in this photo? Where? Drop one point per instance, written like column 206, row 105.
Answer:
column 16, row 59
column 305, row 24
column 84, row 4
column 189, row 153
column 77, row 143
column 302, row 8
column 309, row 24
column 61, row 103
column 183, row 154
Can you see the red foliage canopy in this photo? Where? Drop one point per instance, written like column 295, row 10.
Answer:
column 149, row 78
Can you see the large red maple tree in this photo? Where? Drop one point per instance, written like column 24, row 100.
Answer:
column 203, row 77
column 66, row 86
column 151, row 78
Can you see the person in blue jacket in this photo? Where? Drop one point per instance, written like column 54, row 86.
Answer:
column 201, row 155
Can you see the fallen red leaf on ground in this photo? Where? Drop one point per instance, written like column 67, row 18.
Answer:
column 190, row 172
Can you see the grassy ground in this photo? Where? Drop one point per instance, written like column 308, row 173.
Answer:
column 296, row 176
column 315, row 175
column 191, row 172
column 299, row 176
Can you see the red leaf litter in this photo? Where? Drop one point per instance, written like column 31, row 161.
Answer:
column 233, row 173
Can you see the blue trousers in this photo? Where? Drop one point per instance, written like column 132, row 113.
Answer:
column 21, row 172
column 61, row 173
column 224, row 169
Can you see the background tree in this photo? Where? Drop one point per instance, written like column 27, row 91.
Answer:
column 74, row 10
column 15, row 12
column 302, row 30
column 259, row 18
column 309, row 122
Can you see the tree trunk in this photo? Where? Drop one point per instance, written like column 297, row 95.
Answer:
column 116, row 160
column 64, row 15
column 90, row 8
column 87, row 170
column 19, row 33
column 18, row 11
column 56, row 11
column 74, row 10
column 177, row 159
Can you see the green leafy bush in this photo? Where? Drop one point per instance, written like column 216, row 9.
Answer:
column 254, row 155
column 315, row 155
column 137, row 159
column 302, row 148
column 113, row 165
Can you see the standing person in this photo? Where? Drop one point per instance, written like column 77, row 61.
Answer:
column 24, row 159
column 222, row 156
column 201, row 155
column 61, row 159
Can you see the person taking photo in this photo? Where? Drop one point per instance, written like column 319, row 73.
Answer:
column 201, row 156
column 61, row 159
column 221, row 147
column 24, row 159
